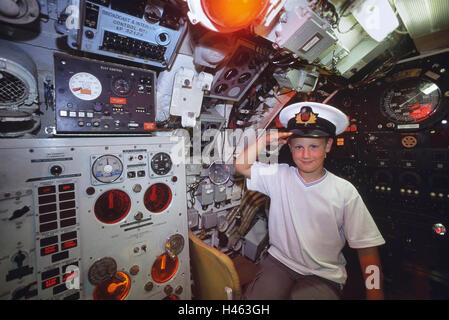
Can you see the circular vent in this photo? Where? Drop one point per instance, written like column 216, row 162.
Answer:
column 12, row 89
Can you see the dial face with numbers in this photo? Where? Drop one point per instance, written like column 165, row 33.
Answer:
column 85, row 86
column 107, row 168
column 411, row 100
column 161, row 163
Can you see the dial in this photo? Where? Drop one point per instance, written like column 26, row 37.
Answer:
column 121, row 87
column 107, row 168
column 219, row 173
column 102, row 270
column 174, row 245
column 411, row 100
column 157, row 198
column 112, row 206
column 85, row 86
column 161, row 163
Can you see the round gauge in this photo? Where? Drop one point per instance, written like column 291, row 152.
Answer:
column 157, row 198
column 107, row 168
column 164, row 268
column 411, row 100
column 121, row 87
column 112, row 206
column 115, row 289
column 161, row 163
column 102, row 270
column 219, row 173
column 85, row 86
column 174, row 245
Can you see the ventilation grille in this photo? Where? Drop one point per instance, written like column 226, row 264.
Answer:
column 12, row 89
column 423, row 17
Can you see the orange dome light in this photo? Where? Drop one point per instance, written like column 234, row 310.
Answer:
column 226, row 15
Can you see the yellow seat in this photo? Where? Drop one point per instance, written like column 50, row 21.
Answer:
column 214, row 273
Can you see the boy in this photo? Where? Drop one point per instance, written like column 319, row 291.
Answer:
column 312, row 212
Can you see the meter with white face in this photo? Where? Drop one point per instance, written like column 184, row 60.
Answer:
column 107, row 168
column 85, row 86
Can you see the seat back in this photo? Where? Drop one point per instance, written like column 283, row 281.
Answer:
column 213, row 272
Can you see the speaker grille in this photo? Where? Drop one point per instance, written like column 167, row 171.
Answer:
column 12, row 89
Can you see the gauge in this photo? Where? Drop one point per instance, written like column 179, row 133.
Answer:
column 411, row 100
column 219, row 173
column 85, row 86
column 112, row 206
column 107, row 168
column 174, row 245
column 115, row 289
column 161, row 163
column 102, row 270
column 157, row 198
column 164, row 268
column 121, row 87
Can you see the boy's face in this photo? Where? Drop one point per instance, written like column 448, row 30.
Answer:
column 309, row 153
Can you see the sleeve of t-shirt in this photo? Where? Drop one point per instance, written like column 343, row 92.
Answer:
column 262, row 177
column 359, row 227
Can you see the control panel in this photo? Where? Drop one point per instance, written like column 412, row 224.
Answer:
column 96, row 218
column 94, row 97
column 136, row 30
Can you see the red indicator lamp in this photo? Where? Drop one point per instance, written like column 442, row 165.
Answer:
column 226, row 15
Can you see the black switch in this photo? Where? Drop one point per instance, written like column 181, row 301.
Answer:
column 19, row 212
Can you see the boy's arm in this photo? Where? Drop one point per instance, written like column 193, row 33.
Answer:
column 372, row 272
column 245, row 160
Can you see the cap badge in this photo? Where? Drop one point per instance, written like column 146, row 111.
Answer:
column 306, row 115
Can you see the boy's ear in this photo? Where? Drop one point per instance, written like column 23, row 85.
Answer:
column 329, row 144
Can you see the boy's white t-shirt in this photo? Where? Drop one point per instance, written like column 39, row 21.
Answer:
column 309, row 223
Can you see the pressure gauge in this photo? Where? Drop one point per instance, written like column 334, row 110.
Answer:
column 219, row 173
column 107, row 168
column 121, row 87
column 411, row 101
column 161, row 163
column 85, row 86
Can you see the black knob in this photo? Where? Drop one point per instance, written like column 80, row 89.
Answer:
column 19, row 259
column 56, row 170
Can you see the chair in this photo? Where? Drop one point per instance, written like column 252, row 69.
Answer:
column 214, row 273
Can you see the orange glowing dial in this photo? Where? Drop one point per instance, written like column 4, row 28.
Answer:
column 115, row 289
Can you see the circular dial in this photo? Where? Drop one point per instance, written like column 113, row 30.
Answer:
column 107, row 168
column 174, row 245
column 410, row 100
column 85, row 86
column 219, row 173
column 161, row 163
column 121, row 87
column 112, row 206
column 157, row 198
column 164, row 268
column 115, row 289
column 102, row 270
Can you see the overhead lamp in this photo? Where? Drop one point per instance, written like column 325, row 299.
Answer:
column 376, row 17
column 226, row 15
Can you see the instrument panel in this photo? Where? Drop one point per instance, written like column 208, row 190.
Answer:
column 97, row 98
column 91, row 219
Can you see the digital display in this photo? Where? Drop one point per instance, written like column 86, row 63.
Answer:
column 46, row 190
column 69, row 244
column 66, row 187
column 49, row 250
column 50, row 282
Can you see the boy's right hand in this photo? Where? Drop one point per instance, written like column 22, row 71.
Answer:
column 277, row 137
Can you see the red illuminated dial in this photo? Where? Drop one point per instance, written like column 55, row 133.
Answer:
column 112, row 206
column 411, row 100
column 157, row 198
